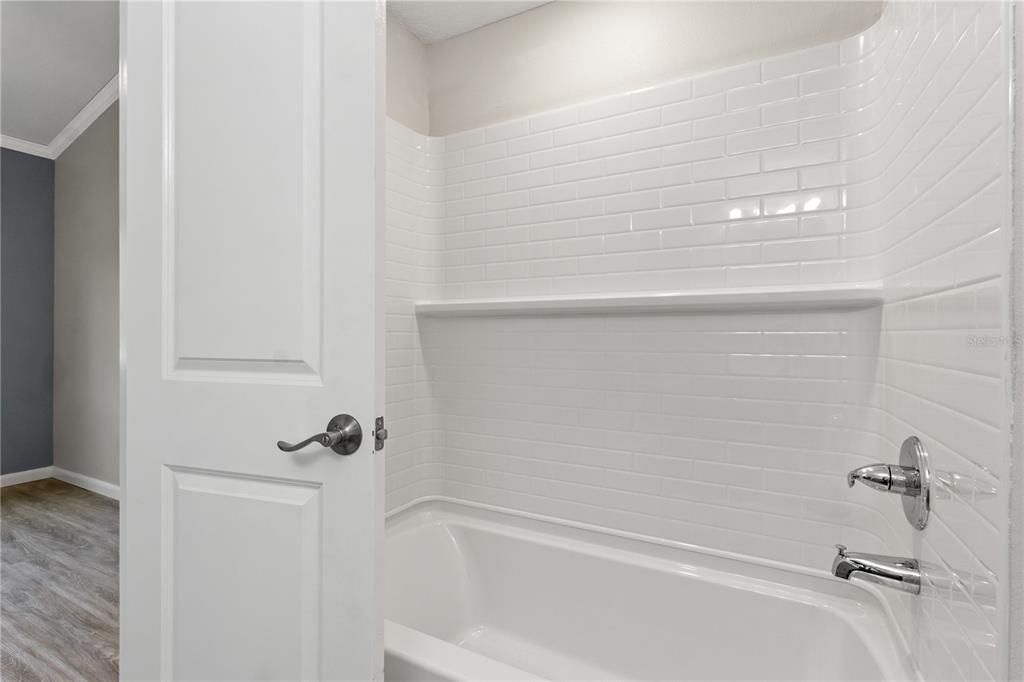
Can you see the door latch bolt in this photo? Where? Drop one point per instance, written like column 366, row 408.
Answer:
column 380, row 434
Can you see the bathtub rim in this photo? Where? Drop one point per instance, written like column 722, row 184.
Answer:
column 749, row 569
column 445, row 659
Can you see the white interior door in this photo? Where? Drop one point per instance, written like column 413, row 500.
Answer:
column 252, row 180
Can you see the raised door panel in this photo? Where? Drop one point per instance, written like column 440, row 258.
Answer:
column 239, row 549
column 243, row 235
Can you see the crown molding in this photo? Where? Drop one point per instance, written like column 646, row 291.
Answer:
column 78, row 125
column 85, row 118
column 25, row 147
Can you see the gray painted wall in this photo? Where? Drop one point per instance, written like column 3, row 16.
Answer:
column 26, row 312
column 86, row 370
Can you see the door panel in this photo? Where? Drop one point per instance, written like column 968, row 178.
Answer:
column 245, row 178
column 217, row 600
column 250, row 314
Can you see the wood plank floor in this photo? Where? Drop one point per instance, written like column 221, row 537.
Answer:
column 58, row 583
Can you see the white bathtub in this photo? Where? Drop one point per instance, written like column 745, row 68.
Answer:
column 474, row 594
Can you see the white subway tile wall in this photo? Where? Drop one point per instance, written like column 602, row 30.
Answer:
column 723, row 430
column 655, row 189
column 881, row 157
column 929, row 178
column 413, row 268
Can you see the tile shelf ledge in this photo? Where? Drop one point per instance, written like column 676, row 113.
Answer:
column 856, row 295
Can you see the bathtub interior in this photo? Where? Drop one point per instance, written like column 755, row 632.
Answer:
column 559, row 603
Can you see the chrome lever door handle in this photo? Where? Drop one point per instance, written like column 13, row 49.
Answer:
column 343, row 435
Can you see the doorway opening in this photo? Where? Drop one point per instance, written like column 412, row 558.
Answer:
column 59, row 506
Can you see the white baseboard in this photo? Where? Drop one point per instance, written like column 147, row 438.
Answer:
column 89, row 483
column 26, row 476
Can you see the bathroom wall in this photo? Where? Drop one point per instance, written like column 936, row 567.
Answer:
column 27, row 306
column 728, row 431
column 85, row 304
column 412, row 272
column 408, row 81
column 881, row 158
column 930, row 173
column 731, row 178
column 545, row 58
column 682, row 427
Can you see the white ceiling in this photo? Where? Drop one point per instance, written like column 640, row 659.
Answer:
column 54, row 57
column 436, row 20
